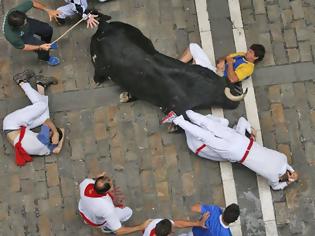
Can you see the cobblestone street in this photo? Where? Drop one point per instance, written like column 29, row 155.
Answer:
column 158, row 174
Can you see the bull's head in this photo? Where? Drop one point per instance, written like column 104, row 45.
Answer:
column 235, row 93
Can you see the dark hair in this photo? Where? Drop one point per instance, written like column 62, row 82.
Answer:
column 16, row 18
column 60, row 133
column 284, row 177
column 104, row 188
column 231, row 213
column 163, row 228
column 259, row 51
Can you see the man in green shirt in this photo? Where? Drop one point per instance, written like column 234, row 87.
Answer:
column 20, row 31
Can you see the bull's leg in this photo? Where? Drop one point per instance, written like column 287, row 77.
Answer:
column 125, row 97
column 100, row 76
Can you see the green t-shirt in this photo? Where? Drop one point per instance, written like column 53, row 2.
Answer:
column 13, row 35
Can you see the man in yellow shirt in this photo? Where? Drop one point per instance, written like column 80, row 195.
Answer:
column 236, row 66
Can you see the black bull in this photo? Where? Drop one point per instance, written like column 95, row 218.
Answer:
column 120, row 52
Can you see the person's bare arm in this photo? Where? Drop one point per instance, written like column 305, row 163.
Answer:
column 29, row 47
column 230, row 70
column 53, row 14
column 128, row 230
column 197, row 223
column 52, row 127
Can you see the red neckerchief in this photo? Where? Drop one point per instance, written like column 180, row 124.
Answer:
column 21, row 156
column 152, row 233
column 90, row 192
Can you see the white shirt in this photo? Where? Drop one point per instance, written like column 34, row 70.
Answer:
column 151, row 226
column 99, row 210
column 32, row 145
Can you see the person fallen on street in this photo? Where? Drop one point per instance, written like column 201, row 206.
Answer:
column 77, row 7
column 22, row 32
column 165, row 227
column 236, row 67
column 211, row 138
column 18, row 124
column 101, row 206
column 218, row 222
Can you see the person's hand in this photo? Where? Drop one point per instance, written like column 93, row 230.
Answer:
column 53, row 14
column 101, row 174
column 292, row 177
column 145, row 224
column 220, row 65
column 55, row 138
column 253, row 133
column 91, row 21
column 229, row 60
column 204, row 218
column 45, row 46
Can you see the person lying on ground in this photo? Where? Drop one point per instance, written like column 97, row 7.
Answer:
column 236, row 66
column 18, row 124
column 211, row 138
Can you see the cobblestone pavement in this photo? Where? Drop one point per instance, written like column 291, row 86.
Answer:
column 286, row 99
column 158, row 174
column 154, row 169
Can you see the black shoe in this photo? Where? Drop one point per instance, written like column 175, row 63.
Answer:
column 45, row 81
column 61, row 21
column 25, row 76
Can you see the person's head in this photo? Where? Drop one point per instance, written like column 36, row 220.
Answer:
column 16, row 19
column 289, row 177
column 163, row 228
column 231, row 213
column 255, row 53
column 102, row 185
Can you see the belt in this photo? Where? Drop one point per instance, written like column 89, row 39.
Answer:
column 200, row 148
column 247, row 150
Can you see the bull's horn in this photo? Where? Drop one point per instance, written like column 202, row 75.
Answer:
column 229, row 95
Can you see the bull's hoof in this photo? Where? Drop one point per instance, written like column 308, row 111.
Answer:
column 124, row 97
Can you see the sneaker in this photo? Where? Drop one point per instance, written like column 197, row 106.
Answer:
column 54, row 45
column 53, row 61
column 106, row 230
column 45, row 81
column 24, row 76
column 169, row 118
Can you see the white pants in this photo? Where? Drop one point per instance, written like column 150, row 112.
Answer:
column 200, row 57
column 69, row 9
column 31, row 116
column 124, row 214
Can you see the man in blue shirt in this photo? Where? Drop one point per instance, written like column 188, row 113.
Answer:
column 218, row 222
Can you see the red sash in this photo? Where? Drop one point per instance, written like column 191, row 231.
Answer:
column 247, row 150
column 200, row 148
column 21, row 156
column 90, row 222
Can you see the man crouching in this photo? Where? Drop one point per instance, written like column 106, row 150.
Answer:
column 18, row 124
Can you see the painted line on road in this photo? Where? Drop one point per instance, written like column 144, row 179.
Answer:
column 226, row 167
column 252, row 116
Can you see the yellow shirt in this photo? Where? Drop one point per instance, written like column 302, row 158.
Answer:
column 243, row 70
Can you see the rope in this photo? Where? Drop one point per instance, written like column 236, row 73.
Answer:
column 71, row 28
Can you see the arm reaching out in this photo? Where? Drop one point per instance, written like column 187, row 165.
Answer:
column 186, row 224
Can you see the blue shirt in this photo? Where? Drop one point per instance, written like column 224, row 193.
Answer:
column 214, row 225
column 44, row 137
